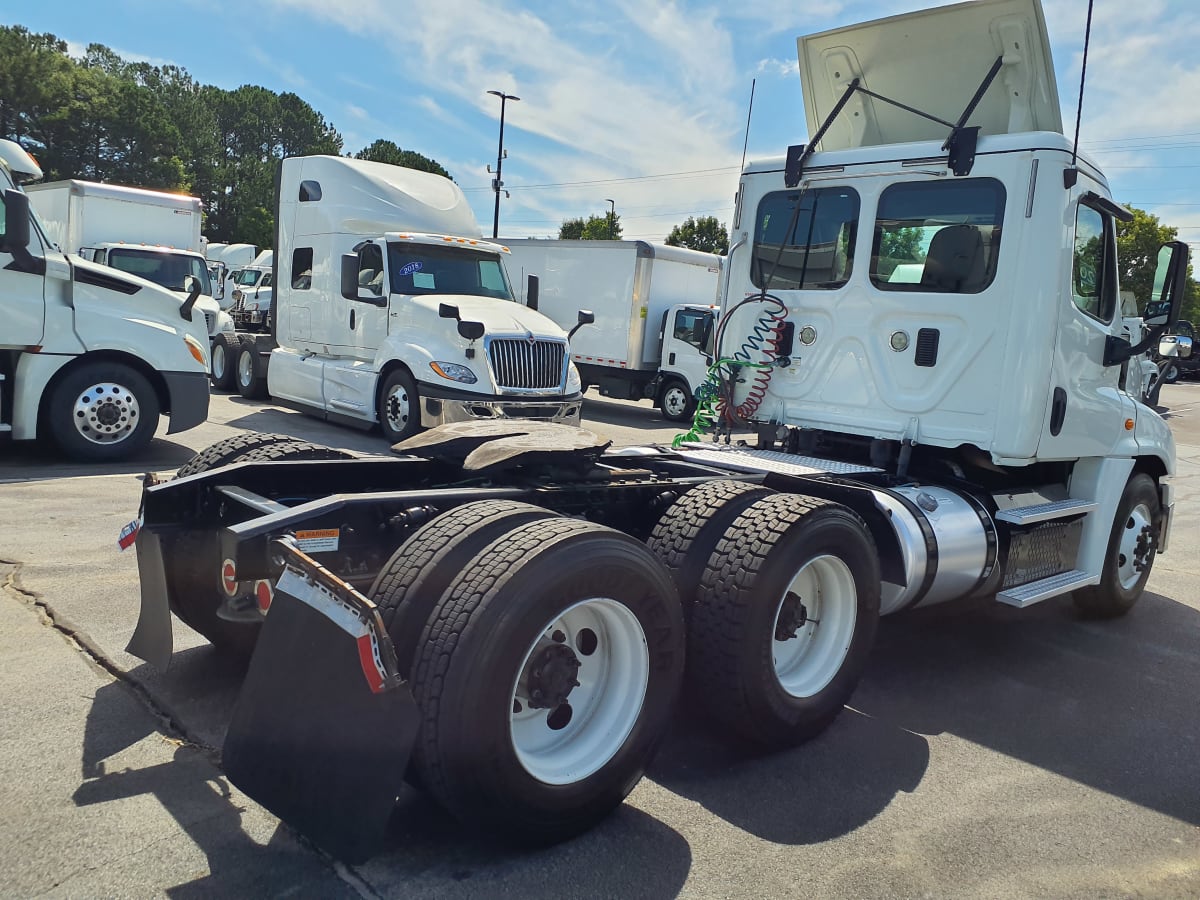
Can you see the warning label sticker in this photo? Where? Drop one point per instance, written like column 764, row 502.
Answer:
column 318, row 540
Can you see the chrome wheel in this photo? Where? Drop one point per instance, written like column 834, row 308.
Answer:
column 814, row 625
column 579, row 691
column 245, row 369
column 397, row 407
column 106, row 413
column 1136, row 546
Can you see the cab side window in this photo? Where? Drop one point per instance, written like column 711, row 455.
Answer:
column 1093, row 285
column 692, row 326
column 370, row 269
column 302, row 262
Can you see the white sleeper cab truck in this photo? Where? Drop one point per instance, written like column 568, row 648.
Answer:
column 507, row 613
column 654, row 307
column 89, row 357
column 151, row 234
column 389, row 309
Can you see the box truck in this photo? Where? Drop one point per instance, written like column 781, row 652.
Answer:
column 390, row 310
column 89, row 356
column 509, row 615
column 151, row 234
column 654, row 307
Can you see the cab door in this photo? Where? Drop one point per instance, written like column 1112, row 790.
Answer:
column 367, row 316
column 22, row 293
column 1087, row 407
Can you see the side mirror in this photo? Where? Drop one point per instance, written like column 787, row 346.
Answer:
column 185, row 310
column 349, row 284
column 472, row 331
column 531, row 292
column 1170, row 284
column 586, row 317
column 16, row 222
column 1162, row 307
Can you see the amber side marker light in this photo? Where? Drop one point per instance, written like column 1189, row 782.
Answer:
column 1129, row 424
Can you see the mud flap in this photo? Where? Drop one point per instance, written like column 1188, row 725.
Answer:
column 324, row 725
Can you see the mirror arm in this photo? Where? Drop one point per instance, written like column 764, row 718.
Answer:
column 1117, row 350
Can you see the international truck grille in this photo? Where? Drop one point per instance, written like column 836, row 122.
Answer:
column 521, row 364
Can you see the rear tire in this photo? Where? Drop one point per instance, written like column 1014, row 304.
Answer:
column 1132, row 546
column 193, row 562
column 785, row 618
column 550, row 603
column 251, row 372
column 224, row 361
column 102, row 411
column 688, row 532
column 413, row 581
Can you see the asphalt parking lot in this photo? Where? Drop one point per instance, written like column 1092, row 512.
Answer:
column 988, row 752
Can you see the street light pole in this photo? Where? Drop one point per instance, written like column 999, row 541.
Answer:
column 497, row 184
column 612, row 218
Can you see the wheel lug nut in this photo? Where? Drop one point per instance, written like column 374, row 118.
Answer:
column 558, row 637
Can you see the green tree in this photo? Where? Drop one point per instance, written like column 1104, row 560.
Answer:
column 1138, row 242
column 704, row 233
column 594, row 228
column 385, row 151
column 902, row 244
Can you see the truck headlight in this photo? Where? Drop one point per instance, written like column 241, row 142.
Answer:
column 574, row 382
column 454, row 372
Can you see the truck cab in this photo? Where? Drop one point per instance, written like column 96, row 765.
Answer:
column 404, row 328
column 89, row 357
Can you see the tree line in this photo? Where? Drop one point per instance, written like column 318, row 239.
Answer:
column 102, row 118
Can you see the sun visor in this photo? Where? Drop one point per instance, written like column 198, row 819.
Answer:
column 933, row 60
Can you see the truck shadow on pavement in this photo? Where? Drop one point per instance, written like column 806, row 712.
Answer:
column 1110, row 705
column 32, row 459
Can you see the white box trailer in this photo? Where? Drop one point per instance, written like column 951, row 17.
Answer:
column 152, row 234
column 655, row 309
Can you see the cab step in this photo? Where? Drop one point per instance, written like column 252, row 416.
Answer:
column 1044, row 512
column 1063, row 583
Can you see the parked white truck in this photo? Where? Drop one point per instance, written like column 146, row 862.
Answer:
column 223, row 262
column 512, row 614
column 89, row 357
column 390, row 309
column 655, row 309
column 152, row 234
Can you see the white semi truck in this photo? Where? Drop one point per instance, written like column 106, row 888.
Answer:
column 151, row 234
column 509, row 612
column 89, row 357
column 391, row 311
column 655, row 309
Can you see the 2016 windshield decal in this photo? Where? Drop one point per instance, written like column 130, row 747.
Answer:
column 415, row 266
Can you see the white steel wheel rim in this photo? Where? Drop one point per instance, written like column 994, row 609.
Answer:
column 675, row 401
column 805, row 663
column 1172, row 371
column 1138, row 520
column 245, row 369
column 218, row 360
column 397, row 408
column 106, row 413
column 605, row 705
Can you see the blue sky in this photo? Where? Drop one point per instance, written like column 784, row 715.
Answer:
column 641, row 102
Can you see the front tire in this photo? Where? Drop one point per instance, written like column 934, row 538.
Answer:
column 676, row 401
column 399, row 407
column 1170, row 372
column 103, row 411
column 1132, row 546
column 784, row 620
column 545, row 679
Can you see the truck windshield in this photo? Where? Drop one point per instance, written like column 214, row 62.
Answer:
column 162, row 267
column 422, row 269
column 246, row 278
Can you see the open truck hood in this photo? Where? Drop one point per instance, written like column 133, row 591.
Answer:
column 932, row 60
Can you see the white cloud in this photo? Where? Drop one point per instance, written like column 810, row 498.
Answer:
column 357, row 112
column 783, row 68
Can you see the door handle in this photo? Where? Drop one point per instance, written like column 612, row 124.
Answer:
column 351, row 320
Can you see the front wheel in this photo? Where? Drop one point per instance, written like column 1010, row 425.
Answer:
column 1170, row 372
column 103, row 411
column 676, row 401
column 545, row 678
column 399, row 407
column 1132, row 546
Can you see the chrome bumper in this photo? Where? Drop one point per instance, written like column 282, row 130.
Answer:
column 439, row 412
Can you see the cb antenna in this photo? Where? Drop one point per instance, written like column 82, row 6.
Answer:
column 746, row 143
column 1071, row 175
